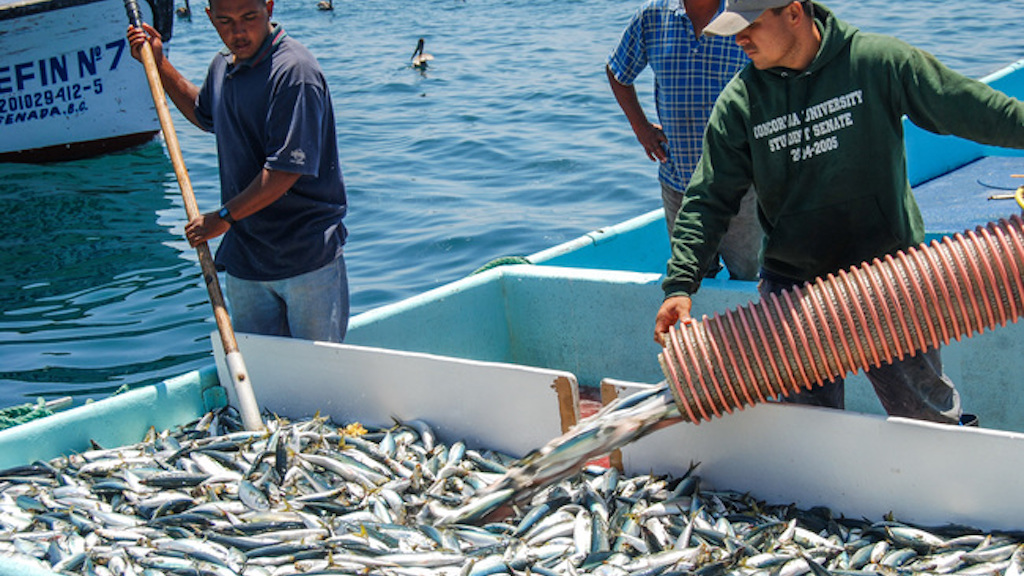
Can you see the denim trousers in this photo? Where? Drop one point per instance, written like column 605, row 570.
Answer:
column 741, row 246
column 914, row 387
column 311, row 306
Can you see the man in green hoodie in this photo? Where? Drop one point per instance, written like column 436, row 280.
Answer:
column 815, row 123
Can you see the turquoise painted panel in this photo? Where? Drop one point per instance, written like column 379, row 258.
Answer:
column 1011, row 81
column 465, row 319
column 639, row 245
column 1008, row 79
column 595, row 324
column 930, row 155
column 1007, row 152
column 114, row 421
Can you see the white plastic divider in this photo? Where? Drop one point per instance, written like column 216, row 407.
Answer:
column 504, row 407
column 858, row 465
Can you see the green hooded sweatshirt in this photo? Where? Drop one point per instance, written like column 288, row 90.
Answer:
column 824, row 149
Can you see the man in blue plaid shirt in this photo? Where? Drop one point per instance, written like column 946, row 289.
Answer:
column 689, row 72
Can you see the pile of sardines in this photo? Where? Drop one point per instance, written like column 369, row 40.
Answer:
column 311, row 498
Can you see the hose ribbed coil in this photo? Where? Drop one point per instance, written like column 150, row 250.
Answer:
column 867, row 316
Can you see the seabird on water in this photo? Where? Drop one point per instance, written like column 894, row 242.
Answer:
column 419, row 57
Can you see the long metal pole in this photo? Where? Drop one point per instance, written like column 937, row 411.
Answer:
column 247, row 405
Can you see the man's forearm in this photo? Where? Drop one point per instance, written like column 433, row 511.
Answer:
column 625, row 95
column 267, row 187
column 182, row 92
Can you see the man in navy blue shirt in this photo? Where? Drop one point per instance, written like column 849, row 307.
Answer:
column 283, row 198
column 689, row 72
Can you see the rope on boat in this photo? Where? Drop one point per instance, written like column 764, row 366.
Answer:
column 503, row 261
column 22, row 413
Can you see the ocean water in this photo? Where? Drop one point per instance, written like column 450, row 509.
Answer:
column 510, row 143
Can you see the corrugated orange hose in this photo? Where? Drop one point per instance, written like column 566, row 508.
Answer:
column 856, row 319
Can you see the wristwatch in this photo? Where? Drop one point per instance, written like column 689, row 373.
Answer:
column 225, row 215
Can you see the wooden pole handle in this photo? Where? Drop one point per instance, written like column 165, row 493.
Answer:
column 236, row 366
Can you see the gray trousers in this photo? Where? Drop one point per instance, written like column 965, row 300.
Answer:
column 914, row 387
column 741, row 247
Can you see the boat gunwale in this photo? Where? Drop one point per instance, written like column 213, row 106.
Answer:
column 30, row 7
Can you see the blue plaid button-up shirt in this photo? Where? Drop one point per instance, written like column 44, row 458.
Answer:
column 689, row 72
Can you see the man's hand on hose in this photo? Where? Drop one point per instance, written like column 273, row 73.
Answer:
column 674, row 309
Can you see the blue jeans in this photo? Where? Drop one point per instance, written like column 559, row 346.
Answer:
column 915, row 387
column 312, row 306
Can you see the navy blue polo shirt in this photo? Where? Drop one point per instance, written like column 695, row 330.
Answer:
column 274, row 111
